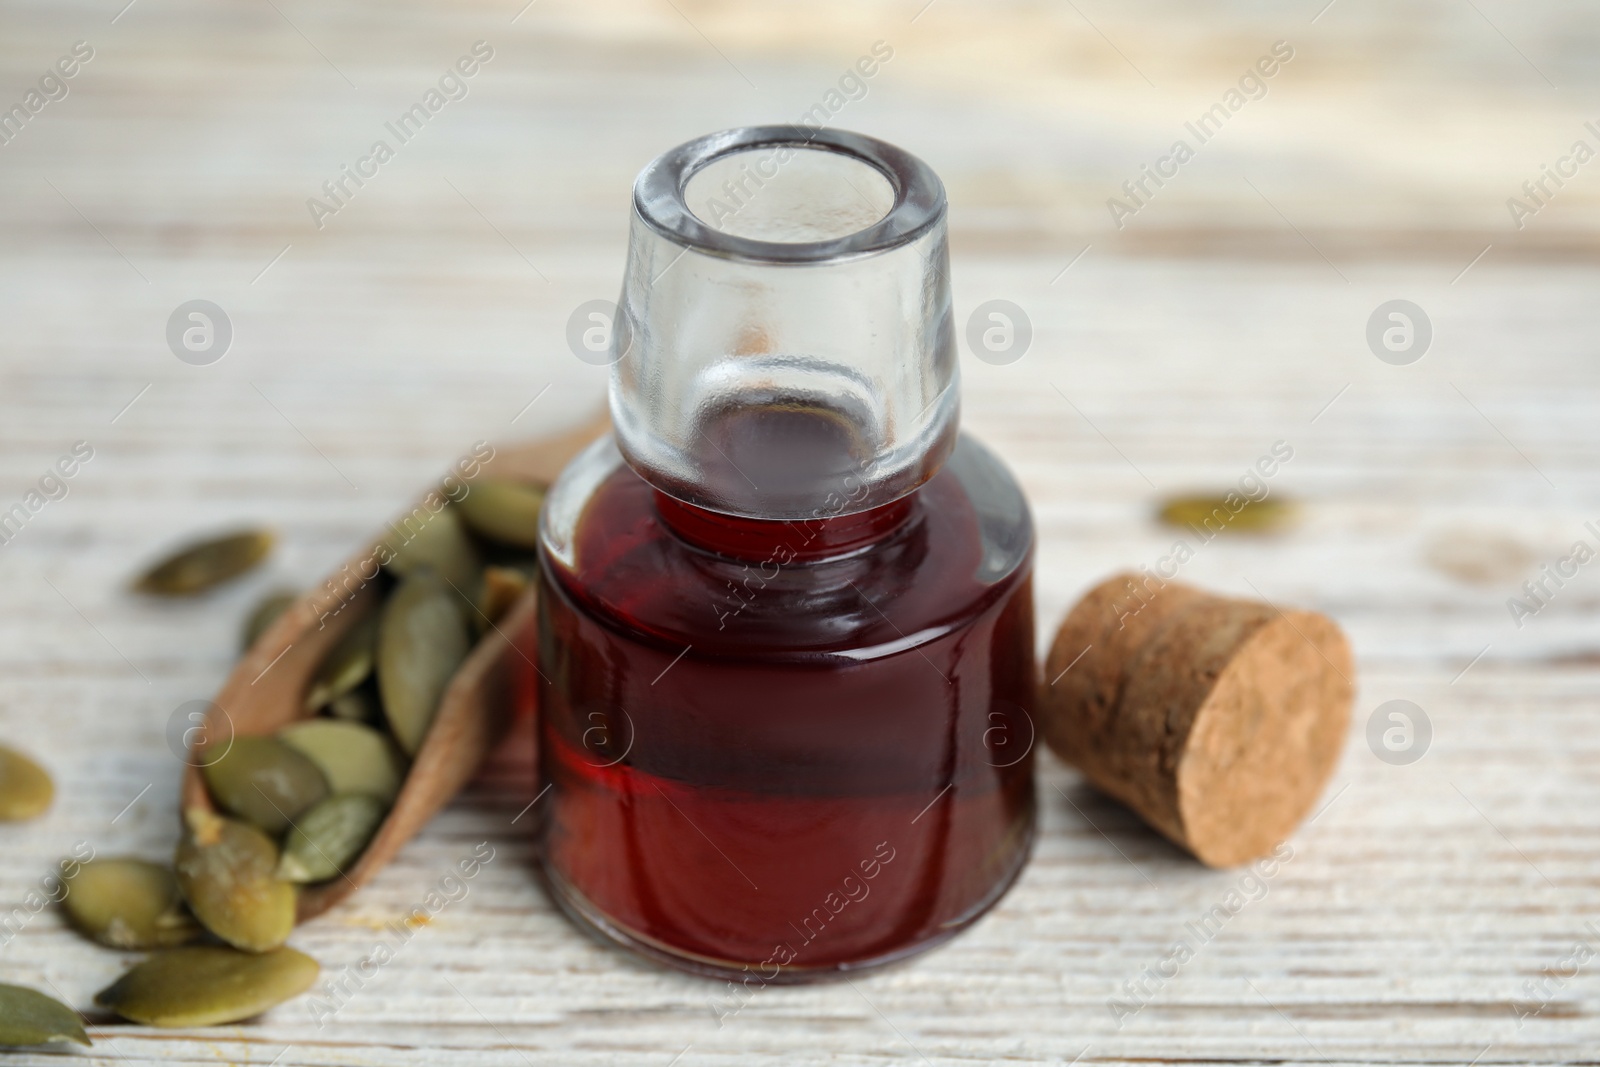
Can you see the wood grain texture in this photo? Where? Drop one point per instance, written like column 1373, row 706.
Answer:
column 1422, row 909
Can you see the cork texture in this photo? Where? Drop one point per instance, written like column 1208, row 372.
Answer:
column 1218, row 720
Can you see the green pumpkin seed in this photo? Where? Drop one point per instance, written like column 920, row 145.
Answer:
column 501, row 588
column 421, row 641
column 264, row 781
column 225, row 869
column 352, row 757
column 330, row 837
column 347, row 666
column 359, row 706
column 438, row 541
column 31, row 1018
column 25, row 787
column 198, row 567
column 208, row 985
column 504, row 511
column 129, row 903
column 1213, row 514
column 266, row 612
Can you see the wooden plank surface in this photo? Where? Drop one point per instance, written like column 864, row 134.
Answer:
column 1420, row 912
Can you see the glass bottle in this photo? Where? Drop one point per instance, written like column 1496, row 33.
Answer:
column 785, row 655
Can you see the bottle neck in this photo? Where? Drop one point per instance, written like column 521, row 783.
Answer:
column 782, row 541
column 785, row 330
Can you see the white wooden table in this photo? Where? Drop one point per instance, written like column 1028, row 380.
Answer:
column 1427, row 905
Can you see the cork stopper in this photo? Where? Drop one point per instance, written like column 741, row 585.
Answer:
column 1217, row 720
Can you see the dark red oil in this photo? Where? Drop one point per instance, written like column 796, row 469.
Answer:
column 796, row 747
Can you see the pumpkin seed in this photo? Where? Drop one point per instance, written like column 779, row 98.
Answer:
column 438, row 541
column 202, row 565
column 225, row 869
column 347, row 666
column 504, row 511
column 359, row 706
column 352, row 757
column 208, row 985
column 264, row 781
column 25, row 787
column 1213, row 514
column 421, row 641
column 266, row 612
column 129, row 903
column 31, row 1018
column 331, row 835
column 501, row 588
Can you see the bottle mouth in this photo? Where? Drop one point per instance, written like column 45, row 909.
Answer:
column 789, row 195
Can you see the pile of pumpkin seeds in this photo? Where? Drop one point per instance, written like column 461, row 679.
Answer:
column 295, row 808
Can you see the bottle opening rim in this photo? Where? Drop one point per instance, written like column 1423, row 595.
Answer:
column 918, row 204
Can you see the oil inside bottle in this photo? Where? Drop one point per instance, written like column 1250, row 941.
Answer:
column 794, row 745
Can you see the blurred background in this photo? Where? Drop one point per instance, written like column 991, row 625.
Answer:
column 1173, row 343
column 432, row 304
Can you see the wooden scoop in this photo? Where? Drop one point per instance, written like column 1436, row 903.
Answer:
column 267, row 689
